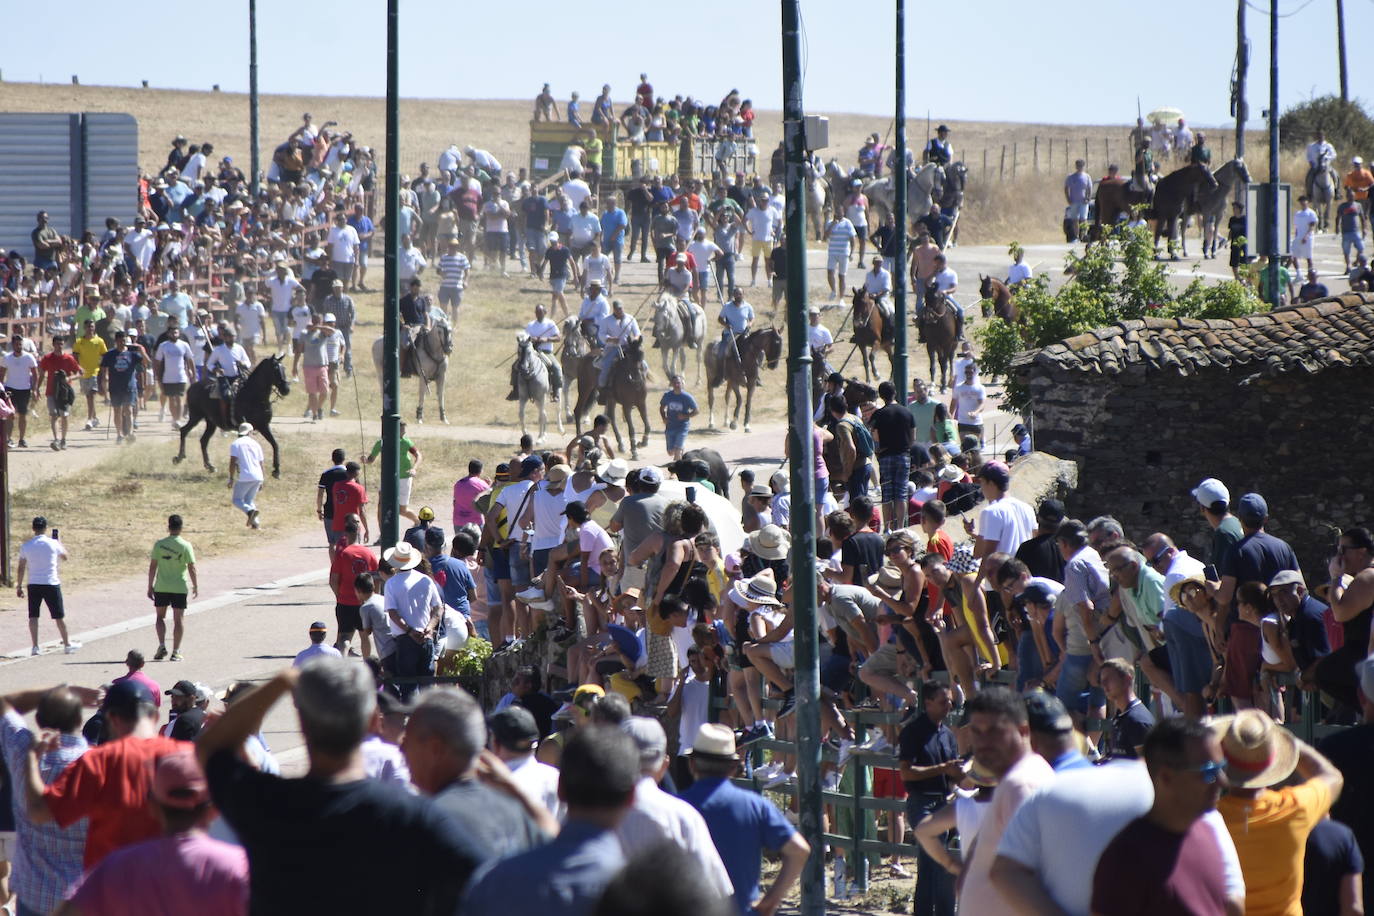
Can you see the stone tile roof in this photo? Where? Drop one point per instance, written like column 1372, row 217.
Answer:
column 1310, row 337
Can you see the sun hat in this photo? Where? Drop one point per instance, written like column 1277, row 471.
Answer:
column 179, row 782
column 1258, row 752
column 245, row 428
column 1211, row 491
column 715, row 741
column 761, row 490
column 402, row 556
column 887, row 577
column 761, row 589
column 558, row 473
column 1176, row 590
column 614, row 472
column 951, row 473
column 771, row 542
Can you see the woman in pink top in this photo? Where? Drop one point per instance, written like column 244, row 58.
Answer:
column 465, row 491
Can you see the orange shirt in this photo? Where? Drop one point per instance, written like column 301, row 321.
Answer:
column 1270, row 832
column 1359, row 180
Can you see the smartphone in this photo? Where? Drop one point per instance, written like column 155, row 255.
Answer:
column 1209, row 572
column 691, row 494
column 56, row 535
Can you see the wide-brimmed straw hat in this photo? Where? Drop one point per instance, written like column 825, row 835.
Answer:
column 769, row 543
column 761, row 589
column 402, row 556
column 1259, row 752
column 1176, row 590
column 714, row 741
column 888, row 577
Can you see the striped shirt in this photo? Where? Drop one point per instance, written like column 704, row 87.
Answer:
column 48, row 858
column 453, row 270
column 841, row 232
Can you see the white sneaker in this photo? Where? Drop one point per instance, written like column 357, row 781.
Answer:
column 778, row 779
column 768, row 770
column 71, row 648
column 544, row 605
column 35, row 651
column 533, row 593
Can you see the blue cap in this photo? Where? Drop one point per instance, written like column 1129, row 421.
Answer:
column 1035, row 593
column 124, row 697
column 531, row 464
column 1252, row 507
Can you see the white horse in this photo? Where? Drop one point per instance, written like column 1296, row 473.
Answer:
column 673, row 335
column 817, row 199
column 1322, row 185
column 532, row 384
column 922, row 187
column 430, row 350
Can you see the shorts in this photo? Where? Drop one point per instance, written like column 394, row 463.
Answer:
column 759, row 248
column 676, row 439
column 58, row 410
column 836, row 262
column 835, row 673
column 1190, row 658
column 495, row 242
column 51, row 595
column 573, row 572
column 884, row 662
column 174, row 389
column 1351, row 240
column 175, row 600
column 403, row 490
column 1238, row 256
column 500, row 566
column 19, row 397
column 90, row 385
column 519, row 567
column 783, row 654
column 703, row 279
column 887, row 784
column 581, row 251
column 1302, row 248
column 1073, row 690
column 894, row 471
column 450, row 296
column 539, row 561
column 1076, row 211
column 633, row 577
column 349, row 617
column 615, row 248
column 121, row 398
column 316, row 379
column 297, row 345
column 556, row 284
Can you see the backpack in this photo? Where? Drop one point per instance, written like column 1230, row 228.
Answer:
column 863, row 439
column 62, row 390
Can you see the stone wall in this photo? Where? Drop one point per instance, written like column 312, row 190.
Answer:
column 1143, row 439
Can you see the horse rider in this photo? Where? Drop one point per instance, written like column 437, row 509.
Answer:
column 1142, row 173
column 938, row 149
column 1320, row 156
column 616, row 330
column 944, row 282
column 736, row 316
column 819, row 338
column 878, row 283
column 871, row 157
column 543, row 334
column 1183, row 139
column 227, row 365
column 592, row 310
column 414, row 308
column 1200, row 154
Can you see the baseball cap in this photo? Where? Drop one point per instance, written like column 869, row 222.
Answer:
column 182, row 689
column 530, row 464
column 513, row 728
column 319, row 626
column 124, row 698
column 178, row 782
column 426, row 514
column 1035, row 593
column 1253, row 507
column 502, row 471
column 995, row 472
column 1211, row 491
column 650, row 475
column 648, row 736
column 577, row 511
column 1051, row 510
column 1047, row 714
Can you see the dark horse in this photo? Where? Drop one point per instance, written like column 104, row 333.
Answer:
column 628, row 388
column 1114, row 199
column 940, row 328
column 873, row 330
column 252, row 404
column 1000, row 295
column 1174, row 194
column 755, row 348
column 720, row 473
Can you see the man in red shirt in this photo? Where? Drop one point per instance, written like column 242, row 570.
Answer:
column 54, row 361
column 351, row 558
column 349, row 499
column 109, row 783
column 644, row 93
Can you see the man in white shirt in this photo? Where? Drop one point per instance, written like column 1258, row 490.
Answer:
column 1304, row 228
column 1005, row 522
column 318, row 647
column 415, row 607
column 818, row 336
column 177, row 304
column 175, row 369
column 140, row 243
column 585, row 228
column 543, row 334
column 878, row 282
column 657, row 817
column 614, row 331
column 762, row 223
column 947, row 282
column 343, row 249
column 703, row 252
column 249, row 318
column 1019, row 271
column 39, row 556
column 245, row 474
column 411, row 262
column 449, row 159
column 513, row 737
column 735, row 318
column 484, row 161
column 17, row 371
column 576, row 190
column 1320, row 154
column 597, row 267
column 593, row 308
column 282, row 286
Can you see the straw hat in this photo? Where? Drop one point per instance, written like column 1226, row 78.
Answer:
column 402, row 556
column 714, row 741
column 888, row 578
column 769, row 543
column 1176, row 590
column 761, row 589
column 614, row 472
column 1258, row 752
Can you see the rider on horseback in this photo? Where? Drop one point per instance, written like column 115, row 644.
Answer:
column 945, row 282
column 414, row 309
column 615, row 331
column 735, row 318
column 543, row 335
column 228, row 365
column 878, row 283
column 1143, row 172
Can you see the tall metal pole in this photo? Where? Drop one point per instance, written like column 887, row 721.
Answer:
column 899, row 362
column 1273, row 228
column 1242, row 67
column 253, row 93
column 802, row 471
column 1340, row 48
column 388, row 520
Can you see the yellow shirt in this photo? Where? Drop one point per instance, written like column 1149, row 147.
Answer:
column 1270, row 832
column 88, row 353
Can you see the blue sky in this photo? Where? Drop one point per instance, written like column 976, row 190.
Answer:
column 1052, row 61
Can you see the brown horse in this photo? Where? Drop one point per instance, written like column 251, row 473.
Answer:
column 940, row 327
column 628, row 388
column 755, row 348
column 1174, row 193
column 873, row 331
column 1114, row 199
column 579, row 365
column 1000, row 295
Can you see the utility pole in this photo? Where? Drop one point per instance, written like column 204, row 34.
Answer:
column 388, row 520
column 253, row 95
column 899, row 187
column 1340, row 48
column 1238, row 91
column 802, row 471
column 1273, row 190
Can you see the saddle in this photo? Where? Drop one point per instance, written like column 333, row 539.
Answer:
column 689, row 313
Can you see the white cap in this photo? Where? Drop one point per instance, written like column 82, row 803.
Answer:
column 1211, row 491
column 1357, row 160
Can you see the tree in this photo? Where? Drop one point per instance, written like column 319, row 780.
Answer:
column 1346, row 124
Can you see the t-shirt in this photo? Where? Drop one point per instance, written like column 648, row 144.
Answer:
column 742, row 824
column 1257, row 557
column 1128, row 730
column 494, row 821
column 122, row 366
column 168, row 876
column 1350, row 750
column 1026, row 775
column 174, row 354
column 924, row 744
column 677, row 407
column 1224, row 536
column 1150, row 871
column 968, row 401
column 1008, row 521
column 923, row 415
column 454, row 580
column 54, row 362
column 327, row 480
column 349, row 498
column 109, row 786
column 349, row 563
column 375, row 619
column 1270, row 832
column 893, row 424
column 412, row 595
column 421, row 858
column 249, row 455
column 863, row 551
column 406, row 464
column 453, row 270
column 465, row 491
column 1332, row 853
column 173, row 555
column 841, row 233
column 592, row 540
column 88, row 352
column 41, row 554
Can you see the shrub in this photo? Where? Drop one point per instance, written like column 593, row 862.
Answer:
column 1348, row 128
column 469, row 661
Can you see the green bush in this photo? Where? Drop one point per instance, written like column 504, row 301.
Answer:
column 1110, row 282
column 1348, row 128
column 469, row 661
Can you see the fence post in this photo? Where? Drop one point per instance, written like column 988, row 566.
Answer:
column 1013, row 162
column 1035, row 155
column 1107, row 151
column 1049, row 154
column 1085, row 154
column 1002, row 166
column 985, row 163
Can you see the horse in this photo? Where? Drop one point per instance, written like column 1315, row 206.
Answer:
column 940, row 327
column 1321, row 193
column 837, row 183
column 873, row 330
column 1113, row 200
column 951, row 199
column 629, row 389
column 817, row 200
column 532, row 384
column 1174, row 193
column 755, row 348
column 430, row 348
column 720, row 474
column 1003, row 303
column 923, row 186
column 579, row 365
column 252, row 403
column 1211, row 207
column 673, row 335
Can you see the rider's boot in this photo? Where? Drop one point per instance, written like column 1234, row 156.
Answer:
column 513, row 396
column 959, row 327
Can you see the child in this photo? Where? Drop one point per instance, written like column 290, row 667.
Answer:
column 1241, row 672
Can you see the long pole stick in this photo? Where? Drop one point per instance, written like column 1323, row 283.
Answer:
column 1340, row 48
column 802, row 476
column 1273, row 190
column 254, row 162
column 388, row 521
column 899, row 355
column 1242, row 67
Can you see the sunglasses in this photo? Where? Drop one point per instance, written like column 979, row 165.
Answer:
column 1209, row 771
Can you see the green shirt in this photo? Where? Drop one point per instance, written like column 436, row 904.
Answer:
column 173, row 554
column 1148, row 595
column 407, row 464
column 924, row 416
column 1224, row 537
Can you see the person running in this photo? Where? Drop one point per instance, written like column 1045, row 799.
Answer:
column 89, row 349
column 245, row 474
column 39, row 556
column 409, row 464
column 17, row 371
column 119, row 371
column 175, row 368
column 676, row 408
column 171, row 573
column 57, row 371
